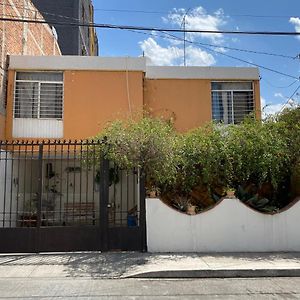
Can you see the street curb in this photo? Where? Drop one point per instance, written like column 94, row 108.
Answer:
column 239, row 273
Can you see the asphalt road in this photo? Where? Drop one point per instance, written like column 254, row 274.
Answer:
column 87, row 288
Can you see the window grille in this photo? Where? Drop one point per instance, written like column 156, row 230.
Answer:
column 38, row 95
column 232, row 101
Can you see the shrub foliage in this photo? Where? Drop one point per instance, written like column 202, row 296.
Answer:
column 256, row 159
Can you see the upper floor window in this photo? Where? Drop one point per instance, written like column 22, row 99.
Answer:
column 38, row 95
column 231, row 101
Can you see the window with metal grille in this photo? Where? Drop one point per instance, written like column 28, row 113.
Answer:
column 38, row 95
column 231, row 101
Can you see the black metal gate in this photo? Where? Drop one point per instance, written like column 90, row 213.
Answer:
column 63, row 196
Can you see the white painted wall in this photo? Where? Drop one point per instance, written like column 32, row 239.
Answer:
column 37, row 128
column 229, row 227
column 7, row 191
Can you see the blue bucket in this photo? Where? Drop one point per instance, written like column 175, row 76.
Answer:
column 131, row 221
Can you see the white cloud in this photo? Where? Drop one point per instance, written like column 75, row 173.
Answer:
column 198, row 57
column 269, row 108
column 162, row 56
column 272, row 109
column 296, row 23
column 172, row 55
column 171, row 51
column 198, row 19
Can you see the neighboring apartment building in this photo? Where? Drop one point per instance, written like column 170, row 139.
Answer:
column 74, row 97
column 21, row 39
column 73, row 40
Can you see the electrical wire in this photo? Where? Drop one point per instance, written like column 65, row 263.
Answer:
column 249, row 51
column 35, row 11
column 200, row 14
column 279, row 87
column 142, row 28
column 166, row 31
column 242, row 60
column 205, row 44
column 223, row 47
column 156, row 12
column 290, row 98
column 224, row 54
column 251, row 63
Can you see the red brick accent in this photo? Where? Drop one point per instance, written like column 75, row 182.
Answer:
column 22, row 38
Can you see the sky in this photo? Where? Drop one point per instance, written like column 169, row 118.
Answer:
column 211, row 49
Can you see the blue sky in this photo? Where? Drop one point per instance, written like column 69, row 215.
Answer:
column 275, row 15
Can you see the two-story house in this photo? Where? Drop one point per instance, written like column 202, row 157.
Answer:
column 56, row 193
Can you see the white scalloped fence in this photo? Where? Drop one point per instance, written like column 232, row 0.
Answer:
column 230, row 226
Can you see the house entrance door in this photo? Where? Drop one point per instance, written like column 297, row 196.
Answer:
column 123, row 203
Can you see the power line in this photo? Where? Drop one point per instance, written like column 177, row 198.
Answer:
column 280, row 87
column 173, row 37
column 290, row 98
column 224, row 54
column 141, row 28
column 250, row 51
column 110, row 26
column 150, row 12
column 39, row 11
column 251, row 63
column 243, row 60
column 205, row 44
column 163, row 12
column 131, row 11
column 199, row 14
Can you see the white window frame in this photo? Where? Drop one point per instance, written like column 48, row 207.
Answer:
column 39, row 91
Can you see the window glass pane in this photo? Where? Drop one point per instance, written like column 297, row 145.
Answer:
column 40, row 76
column 38, row 95
column 51, row 100
column 243, row 105
column 231, row 85
column 26, row 100
column 222, row 107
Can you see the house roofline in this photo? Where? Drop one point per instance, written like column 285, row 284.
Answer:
column 96, row 63
column 84, row 63
column 215, row 73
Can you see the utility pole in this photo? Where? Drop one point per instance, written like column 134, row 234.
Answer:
column 184, row 34
column 184, row 45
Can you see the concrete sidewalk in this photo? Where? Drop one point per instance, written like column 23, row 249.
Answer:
column 148, row 265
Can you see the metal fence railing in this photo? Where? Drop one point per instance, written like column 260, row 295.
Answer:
column 57, row 183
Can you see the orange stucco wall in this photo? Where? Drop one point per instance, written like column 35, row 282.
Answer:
column 9, row 107
column 2, row 127
column 187, row 102
column 93, row 98
column 257, row 101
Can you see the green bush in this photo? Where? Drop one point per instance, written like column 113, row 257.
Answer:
column 146, row 143
column 255, row 158
column 201, row 159
column 290, row 132
column 257, row 153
